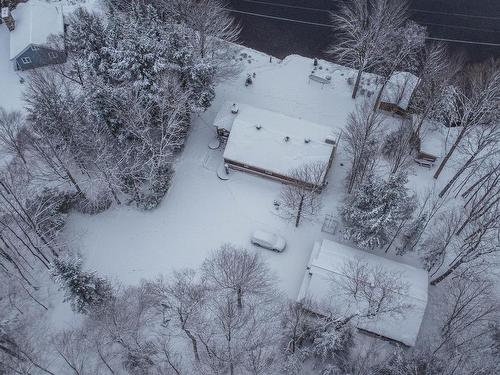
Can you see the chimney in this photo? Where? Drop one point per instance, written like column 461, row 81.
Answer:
column 8, row 19
column 330, row 140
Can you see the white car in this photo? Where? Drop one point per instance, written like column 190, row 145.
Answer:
column 268, row 240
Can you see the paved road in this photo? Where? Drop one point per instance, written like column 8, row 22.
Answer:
column 469, row 20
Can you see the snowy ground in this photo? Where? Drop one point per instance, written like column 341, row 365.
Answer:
column 201, row 212
column 10, row 86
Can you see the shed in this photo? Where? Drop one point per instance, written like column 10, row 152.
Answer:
column 398, row 92
column 327, row 262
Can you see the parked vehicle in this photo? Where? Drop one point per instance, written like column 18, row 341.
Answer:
column 268, row 240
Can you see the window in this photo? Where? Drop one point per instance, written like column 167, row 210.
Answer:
column 52, row 55
column 34, row 48
column 26, row 60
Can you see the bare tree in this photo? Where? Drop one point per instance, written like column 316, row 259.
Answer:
column 398, row 147
column 481, row 143
column 238, row 272
column 476, row 246
column 181, row 299
column 72, row 346
column 209, row 20
column 295, row 321
column 475, row 103
column 238, row 337
column 362, row 142
column 370, row 291
column 363, row 27
column 300, row 198
column 405, row 44
column 11, row 127
column 483, row 198
column 430, row 206
column 470, row 311
column 440, row 240
column 436, row 72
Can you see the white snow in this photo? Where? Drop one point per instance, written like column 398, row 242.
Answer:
column 202, row 212
column 327, row 262
column 275, row 142
column 10, row 86
column 399, row 89
column 35, row 21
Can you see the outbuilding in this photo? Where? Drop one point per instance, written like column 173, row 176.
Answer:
column 398, row 92
column 274, row 145
column 327, row 268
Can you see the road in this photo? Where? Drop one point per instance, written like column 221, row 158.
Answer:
column 266, row 25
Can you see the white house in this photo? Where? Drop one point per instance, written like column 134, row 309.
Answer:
column 327, row 267
column 32, row 26
column 272, row 144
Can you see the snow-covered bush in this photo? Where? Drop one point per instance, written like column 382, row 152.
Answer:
column 83, row 289
column 331, row 342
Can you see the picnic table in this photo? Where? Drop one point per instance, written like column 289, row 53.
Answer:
column 427, row 163
column 322, row 76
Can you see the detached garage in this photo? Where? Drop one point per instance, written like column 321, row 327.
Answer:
column 273, row 145
column 331, row 266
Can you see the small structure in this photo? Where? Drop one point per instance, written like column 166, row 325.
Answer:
column 271, row 144
column 398, row 92
column 32, row 27
column 327, row 265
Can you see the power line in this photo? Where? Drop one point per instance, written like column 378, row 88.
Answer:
column 329, row 26
column 287, row 6
column 464, row 15
column 460, row 27
column 464, row 41
column 278, row 18
column 455, row 14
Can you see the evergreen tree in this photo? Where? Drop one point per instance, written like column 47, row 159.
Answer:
column 83, row 289
column 372, row 214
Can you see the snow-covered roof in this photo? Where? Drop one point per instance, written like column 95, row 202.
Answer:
column 399, row 89
column 327, row 262
column 35, row 22
column 274, row 142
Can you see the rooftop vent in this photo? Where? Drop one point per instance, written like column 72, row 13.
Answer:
column 307, row 140
column 234, row 108
column 258, row 127
column 287, row 138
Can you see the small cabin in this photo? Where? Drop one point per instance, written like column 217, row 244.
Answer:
column 34, row 29
column 398, row 92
